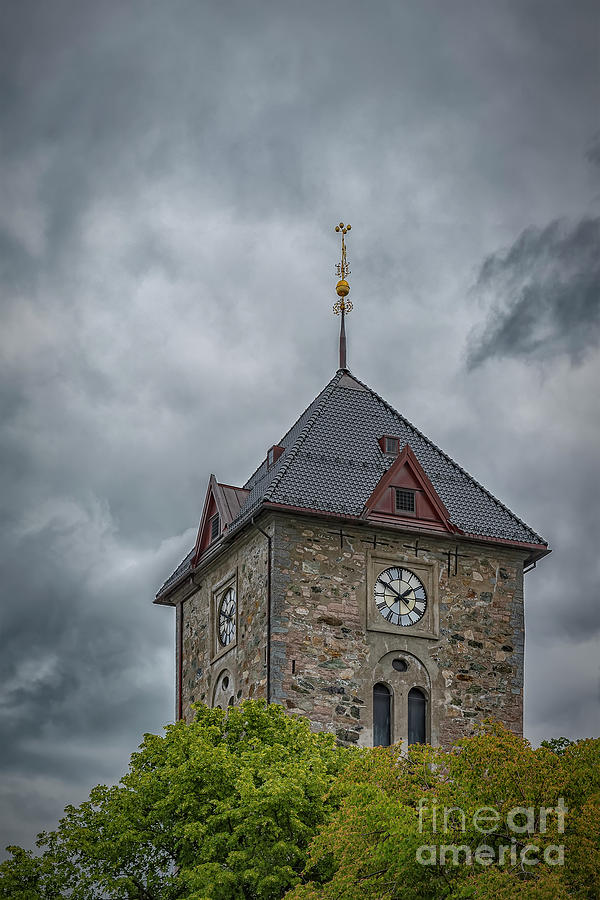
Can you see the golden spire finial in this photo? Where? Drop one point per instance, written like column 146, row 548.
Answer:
column 342, row 289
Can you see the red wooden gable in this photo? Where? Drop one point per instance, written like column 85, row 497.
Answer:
column 223, row 500
column 407, row 474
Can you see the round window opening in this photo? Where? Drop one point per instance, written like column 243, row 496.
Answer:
column 225, row 683
column 400, row 665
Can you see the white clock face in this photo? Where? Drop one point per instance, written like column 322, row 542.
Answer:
column 400, row 597
column 227, row 611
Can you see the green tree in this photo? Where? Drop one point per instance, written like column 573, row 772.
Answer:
column 397, row 811
column 557, row 745
column 249, row 803
column 224, row 807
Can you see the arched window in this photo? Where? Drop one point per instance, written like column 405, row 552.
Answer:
column 382, row 716
column 417, row 716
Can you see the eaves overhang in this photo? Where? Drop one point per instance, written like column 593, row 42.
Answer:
column 165, row 595
column 535, row 552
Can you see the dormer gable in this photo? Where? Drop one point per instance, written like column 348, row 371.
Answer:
column 405, row 495
column 221, row 505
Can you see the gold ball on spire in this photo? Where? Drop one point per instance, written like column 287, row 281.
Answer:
column 342, row 288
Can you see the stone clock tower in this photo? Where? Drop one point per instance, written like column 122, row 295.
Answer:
column 360, row 577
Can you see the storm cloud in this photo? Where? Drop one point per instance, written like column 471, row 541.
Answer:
column 547, row 295
column 171, row 177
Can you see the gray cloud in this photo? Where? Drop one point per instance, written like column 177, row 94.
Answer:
column 546, row 291
column 170, row 183
column 593, row 151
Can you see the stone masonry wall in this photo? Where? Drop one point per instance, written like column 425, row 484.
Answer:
column 319, row 645
column 216, row 676
column 326, row 660
column 328, row 649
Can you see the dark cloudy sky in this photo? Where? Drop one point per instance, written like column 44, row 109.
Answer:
column 171, row 176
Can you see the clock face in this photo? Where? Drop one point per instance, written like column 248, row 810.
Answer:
column 400, row 596
column 227, row 610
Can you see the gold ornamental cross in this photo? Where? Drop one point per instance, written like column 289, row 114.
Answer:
column 342, row 288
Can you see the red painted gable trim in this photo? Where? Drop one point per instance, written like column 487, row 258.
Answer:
column 407, row 458
column 211, row 492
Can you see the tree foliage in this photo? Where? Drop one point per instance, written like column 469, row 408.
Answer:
column 374, row 840
column 222, row 808
column 249, row 804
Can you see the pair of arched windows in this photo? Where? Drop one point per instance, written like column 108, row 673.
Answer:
column 382, row 716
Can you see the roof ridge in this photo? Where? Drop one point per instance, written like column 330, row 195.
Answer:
column 449, row 458
column 293, row 450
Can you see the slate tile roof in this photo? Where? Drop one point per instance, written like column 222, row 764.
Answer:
column 183, row 567
column 332, row 463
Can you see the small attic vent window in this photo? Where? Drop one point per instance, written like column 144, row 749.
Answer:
column 215, row 527
column 390, row 445
column 405, row 500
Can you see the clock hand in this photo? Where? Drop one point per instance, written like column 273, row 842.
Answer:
column 398, row 594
